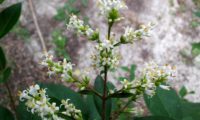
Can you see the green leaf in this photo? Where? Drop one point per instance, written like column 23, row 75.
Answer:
column 196, row 48
column 93, row 113
column 153, row 118
column 23, row 114
column 132, row 72
column 187, row 118
column 197, row 13
column 84, row 2
column 61, row 92
column 1, row 1
column 5, row 114
column 190, row 110
column 125, row 68
column 164, row 103
column 9, row 17
column 2, row 60
column 5, row 76
column 121, row 95
column 183, row 92
column 99, row 85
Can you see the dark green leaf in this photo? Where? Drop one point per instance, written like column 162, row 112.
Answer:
column 196, row 48
column 93, row 113
column 61, row 92
column 23, row 114
column 132, row 72
column 9, row 17
column 99, row 85
column 5, row 114
column 165, row 103
column 183, row 92
column 5, row 76
column 1, row 1
column 187, row 118
column 191, row 110
column 121, row 95
column 153, row 118
column 2, row 60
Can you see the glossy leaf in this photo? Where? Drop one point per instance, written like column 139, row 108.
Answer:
column 2, row 60
column 98, row 85
column 9, row 17
column 190, row 110
column 5, row 114
column 23, row 114
column 93, row 113
column 165, row 103
column 1, row 1
column 5, row 75
column 195, row 49
column 154, row 118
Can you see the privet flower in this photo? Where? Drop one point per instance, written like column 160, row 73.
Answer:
column 63, row 68
column 154, row 75
column 79, row 26
column 105, row 55
column 71, row 110
column 37, row 102
column 106, row 6
column 131, row 35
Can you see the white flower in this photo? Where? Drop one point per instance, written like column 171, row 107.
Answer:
column 71, row 110
column 106, row 6
column 63, row 68
column 105, row 55
column 79, row 26
column 130, row 35
column 38, row 102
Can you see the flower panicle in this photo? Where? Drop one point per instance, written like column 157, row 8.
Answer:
column 38, row 102
column 130, row 35
column 64, row 68
column 154, row 75
column 78, row 25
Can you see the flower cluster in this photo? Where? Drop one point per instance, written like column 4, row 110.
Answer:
column 79, row 26
column 105, row 55
column 70, row 110
column 130, row 35
column 38, row 102
column 106, row 6
column 64, row 68
column 154, row 75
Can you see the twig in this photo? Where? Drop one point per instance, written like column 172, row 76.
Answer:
column 32, row 9
column 11, row 99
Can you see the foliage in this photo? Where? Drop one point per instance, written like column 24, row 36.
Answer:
column 8, row 18
column 171, row 105
column 60, row 42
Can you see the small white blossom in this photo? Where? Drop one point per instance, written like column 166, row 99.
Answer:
column 63, row 68
column 38, row 102
column 70, row 110
column 105, row 55
column 106, row 6
column 79, row 26
column 131, row 35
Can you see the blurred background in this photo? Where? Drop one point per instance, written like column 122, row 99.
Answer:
column 175, row 39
